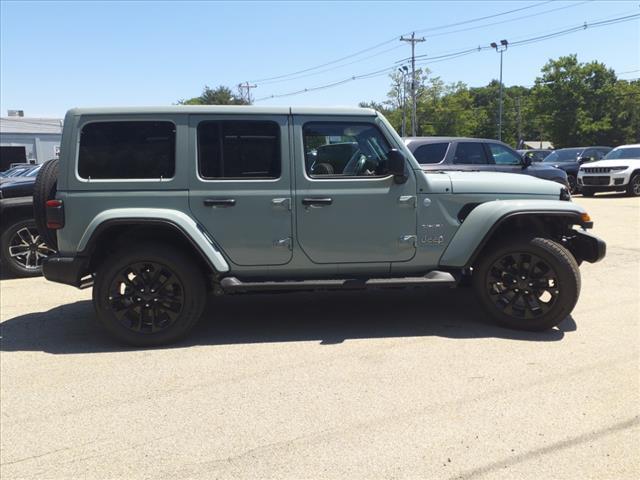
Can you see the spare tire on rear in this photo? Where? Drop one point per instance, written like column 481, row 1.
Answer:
column 45, row 189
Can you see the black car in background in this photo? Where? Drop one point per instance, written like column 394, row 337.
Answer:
column 570, row 159
column 456, row 153
column 21, row 248
column 536, row 155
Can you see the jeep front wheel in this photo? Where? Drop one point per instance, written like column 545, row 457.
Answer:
column 148, row 296
column 529, row 284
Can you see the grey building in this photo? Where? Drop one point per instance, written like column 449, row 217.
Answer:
column 30, row 140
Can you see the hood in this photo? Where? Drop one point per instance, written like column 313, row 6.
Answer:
column 502, row 183
column 12, row 180
column 618, row 162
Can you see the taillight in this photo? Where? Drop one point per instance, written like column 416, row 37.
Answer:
column 55, row 214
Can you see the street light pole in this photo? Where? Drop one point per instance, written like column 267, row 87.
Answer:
column 500, row 49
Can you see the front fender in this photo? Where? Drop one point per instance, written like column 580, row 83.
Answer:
column 477, row 227
column 178, row 219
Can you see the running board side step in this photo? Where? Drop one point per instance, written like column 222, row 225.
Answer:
column 234, row 285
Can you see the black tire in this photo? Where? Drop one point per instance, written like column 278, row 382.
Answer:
column 44, row 189
column 551, row 283
column 587, row 192
column 633, row 189
column 573, row 184
column 22, row 249
column 130, row 310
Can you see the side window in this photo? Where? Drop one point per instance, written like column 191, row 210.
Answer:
column 230, row 149
column 431, row 153
column 470, row 153
column 503, row 156
column 344, row 149
column 127, row 150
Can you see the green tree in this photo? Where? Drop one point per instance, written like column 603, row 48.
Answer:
column 219, row 96
column 572, row 101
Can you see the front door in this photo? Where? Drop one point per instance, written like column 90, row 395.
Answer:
column 241, row 192
column 506, row 160
column 348, row 209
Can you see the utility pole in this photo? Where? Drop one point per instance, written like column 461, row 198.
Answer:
column 246, row 86
column 520, row 139
column 403, row 90
column 500, row 49
column 413, row 40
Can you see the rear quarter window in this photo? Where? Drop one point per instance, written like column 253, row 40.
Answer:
column 127, row 150
column 431, row 153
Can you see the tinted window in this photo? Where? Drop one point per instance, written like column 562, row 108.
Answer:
column 470, row 153
column 624, row 153
column 127, row 150
column 503, row 156
column 431, row 152
column 344, row 149
column 564, row 155
column 239, row 149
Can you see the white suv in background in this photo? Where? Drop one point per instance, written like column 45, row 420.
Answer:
column 619, row 170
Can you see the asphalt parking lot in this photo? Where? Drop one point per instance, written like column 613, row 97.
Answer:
column 398, row 384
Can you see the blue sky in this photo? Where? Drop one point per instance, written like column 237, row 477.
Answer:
column 59, row 55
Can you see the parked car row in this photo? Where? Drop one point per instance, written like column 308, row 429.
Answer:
column 477, row 154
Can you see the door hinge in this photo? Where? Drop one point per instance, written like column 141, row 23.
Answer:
column 410, row 239
column 283, row 242
column 408, row 200
column 282, row 203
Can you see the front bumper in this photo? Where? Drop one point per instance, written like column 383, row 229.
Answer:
column 67, row 270
column 587, row 247
column 604, row 181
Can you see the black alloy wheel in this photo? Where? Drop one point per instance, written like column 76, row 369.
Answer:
column 149, row 294
column 146, row 297
column 522, row 285
column 527, row 283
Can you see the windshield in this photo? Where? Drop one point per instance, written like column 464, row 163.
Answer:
column 564, row 155
column 632, row 153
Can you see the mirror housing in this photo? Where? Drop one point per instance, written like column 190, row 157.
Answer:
column 526, row 161
column 396, row 164
column 582, row 160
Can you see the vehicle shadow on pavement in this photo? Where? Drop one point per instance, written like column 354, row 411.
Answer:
column 329, row 318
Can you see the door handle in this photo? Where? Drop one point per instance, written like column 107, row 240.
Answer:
column 316, row 201
column 219, row 202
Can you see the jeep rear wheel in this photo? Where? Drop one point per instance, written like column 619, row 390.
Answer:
column 151, row 295
column 530, row 284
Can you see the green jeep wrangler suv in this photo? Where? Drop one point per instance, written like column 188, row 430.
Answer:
column 156, row 207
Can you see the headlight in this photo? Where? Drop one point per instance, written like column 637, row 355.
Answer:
column 564, row 194
column 617, row 169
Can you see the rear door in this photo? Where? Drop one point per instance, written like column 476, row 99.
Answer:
column 240, row 191
column 472, row 156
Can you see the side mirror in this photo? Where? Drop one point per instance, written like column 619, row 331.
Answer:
column 526, row 161
column 582, row 160
column 396, row 165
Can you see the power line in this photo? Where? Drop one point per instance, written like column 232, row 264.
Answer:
column 464, row 22
column 458, row 54
column 391, row 40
